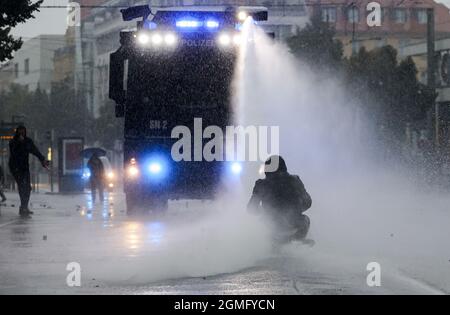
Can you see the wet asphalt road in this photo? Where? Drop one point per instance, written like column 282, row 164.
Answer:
column 122, row 255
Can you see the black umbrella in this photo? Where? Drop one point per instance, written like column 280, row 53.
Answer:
column 87, row 153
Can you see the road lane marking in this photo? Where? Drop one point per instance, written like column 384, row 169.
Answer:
column 416, row 283
column 8, row 223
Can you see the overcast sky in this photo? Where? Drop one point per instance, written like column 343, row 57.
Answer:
column 48, row 21
column 53, row 21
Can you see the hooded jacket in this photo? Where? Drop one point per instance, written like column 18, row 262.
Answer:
column 280, row 192
column 20, row 152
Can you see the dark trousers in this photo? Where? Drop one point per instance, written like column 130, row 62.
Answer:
column 97, row 183
column 2, row 195
column 294, row 221
column 23, row 180
column 302, row 223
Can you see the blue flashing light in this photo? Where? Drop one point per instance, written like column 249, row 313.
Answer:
column 189, row 24
column 212, row 24
column 192, row 23
column 157, row 167
column 236, row 168
column 86, row 174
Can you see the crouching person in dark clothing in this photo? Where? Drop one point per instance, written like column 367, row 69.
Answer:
column 283, row 198
column 20, row 148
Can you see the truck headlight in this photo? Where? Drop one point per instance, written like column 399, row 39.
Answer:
column 224, row 39
column 170, row 39
column 143, row 39
column 157, row 39
column 242, row 16
column 237, row 39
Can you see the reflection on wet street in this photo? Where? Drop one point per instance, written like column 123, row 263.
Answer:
column 182, row 252
column 20, row 234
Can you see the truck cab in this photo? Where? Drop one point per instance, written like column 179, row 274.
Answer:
column 175, row 67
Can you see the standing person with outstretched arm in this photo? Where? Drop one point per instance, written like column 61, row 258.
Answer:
column 20, row 148
column 2, row 180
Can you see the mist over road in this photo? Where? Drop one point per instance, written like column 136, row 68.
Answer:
column 184, row 252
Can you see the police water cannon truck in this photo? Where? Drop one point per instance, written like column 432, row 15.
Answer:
column 176, row 66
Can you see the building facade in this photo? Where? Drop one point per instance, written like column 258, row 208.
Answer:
column 418, row 51
column 402, row 22
column 7, row 76
column 32, row 65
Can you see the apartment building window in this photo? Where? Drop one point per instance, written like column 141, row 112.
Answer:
column 16, row 70
column 400, row 16
column 27, row 66
column 421, row 15
column 329, row 15
column 353, row 15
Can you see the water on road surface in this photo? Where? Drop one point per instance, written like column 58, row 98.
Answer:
column 183, row 252
column 363, row 212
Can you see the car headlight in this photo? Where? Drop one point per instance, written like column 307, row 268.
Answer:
column 133, row 171
column 86, row 174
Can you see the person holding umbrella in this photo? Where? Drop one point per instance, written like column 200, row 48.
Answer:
column 97, row 178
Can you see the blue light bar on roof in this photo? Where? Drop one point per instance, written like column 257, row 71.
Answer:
column 189, row 24
column 212, row 24
column 192, row 23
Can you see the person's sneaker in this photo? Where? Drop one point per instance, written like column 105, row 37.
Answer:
column 3, row 199
column 29, row 211
column 24, row 213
